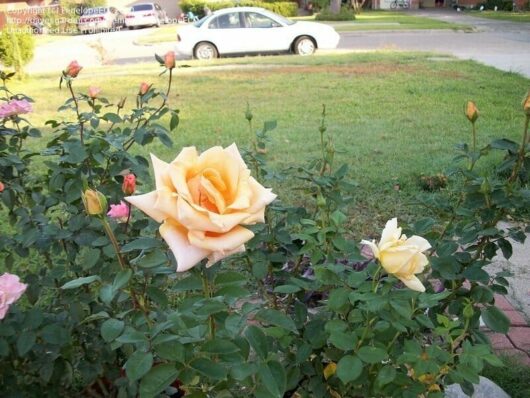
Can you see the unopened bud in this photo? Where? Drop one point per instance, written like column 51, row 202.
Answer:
column 121, row 104
column 526, row 104
column 129, row 184
column 95, row 202
column 471, row 111
column 2, row 186
column 485, row 187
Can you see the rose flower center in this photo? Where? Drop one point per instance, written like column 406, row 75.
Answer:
column 208, row 190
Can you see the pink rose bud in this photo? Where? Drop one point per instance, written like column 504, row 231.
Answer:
column 2, row 186
column 93, row 92
column 119, row 212
column 169, row 59
column 144, row 88
column 72, row 69
column 10, row 291
column 129, row 184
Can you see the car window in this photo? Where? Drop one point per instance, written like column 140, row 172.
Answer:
column 142, row 7
column 255, row 20
column 226, row 21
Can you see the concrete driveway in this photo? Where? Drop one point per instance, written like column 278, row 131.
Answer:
column 504, row 45
column 501, row 44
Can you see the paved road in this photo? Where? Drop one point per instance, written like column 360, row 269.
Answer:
column 504, row 45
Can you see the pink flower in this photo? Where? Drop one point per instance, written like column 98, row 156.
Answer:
column 15, row 107
column 10, row 291
column 93, row 92
column 119, row 212
column 169, row 59
column 144, row 88
column 2, row 186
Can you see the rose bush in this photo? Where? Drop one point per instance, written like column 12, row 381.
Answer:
column 302, row 312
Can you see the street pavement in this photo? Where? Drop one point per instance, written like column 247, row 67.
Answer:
column 501, row 44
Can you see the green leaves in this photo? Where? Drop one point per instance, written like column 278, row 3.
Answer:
column 138, row 364
column 80, row 282
column 277, row 318
column 157, row 379
column 25, row 342
column 208, row 368
column 111, row 329
column 495, row 319
column 257, row 340
column 372, row 355
column 349, row 368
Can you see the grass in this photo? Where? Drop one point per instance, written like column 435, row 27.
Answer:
column 391, row 20
column 163, row 34
column 393, row 115
column 523, row 16
column 514, row 377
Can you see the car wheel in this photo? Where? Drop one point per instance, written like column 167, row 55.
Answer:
column 205, row 50
column 304, row 45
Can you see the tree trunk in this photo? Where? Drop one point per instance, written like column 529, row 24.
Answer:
column 334, row 6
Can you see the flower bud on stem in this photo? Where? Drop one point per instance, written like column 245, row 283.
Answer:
column 522, row 151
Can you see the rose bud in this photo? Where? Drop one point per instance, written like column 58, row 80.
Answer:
column 2, row 186
column 94, row 201
column 169, row 59
column 129, row 184
column 471, row 111
column 72, row 69
column 93, row 92
column 121, row 104
column 526, row 104
column 144, row 88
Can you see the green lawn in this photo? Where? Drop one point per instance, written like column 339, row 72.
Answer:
column 393, row 115
column 392, row 20
column 523, row 16
column 163, row 34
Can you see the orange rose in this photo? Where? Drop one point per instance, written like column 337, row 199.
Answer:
column 202, row 201
column 144, row 88
column 526, row 104
column 169, row 59
column 129, row 184
column 471, row 111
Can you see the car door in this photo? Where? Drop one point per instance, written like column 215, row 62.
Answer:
column 227, row 33
column 265, row 33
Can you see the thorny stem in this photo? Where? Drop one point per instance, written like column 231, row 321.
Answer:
column 522, row 152
column 129, row 209
column 114, row 242
column 208, row 294
column 130, row 142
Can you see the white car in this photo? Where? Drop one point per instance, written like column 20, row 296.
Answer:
column 145, row 14
column 252, row 30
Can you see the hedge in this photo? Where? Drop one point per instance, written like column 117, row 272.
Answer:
column 285, row 8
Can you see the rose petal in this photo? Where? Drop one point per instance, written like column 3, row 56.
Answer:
column 186, row 254
column 412, row 282
column 391, row 232
column 261, row 197
column 147, row 203
column 395, row 260
column 160, row 169
column 225, row 242
column 216, row 256
column 421, row 243
column 371, row 244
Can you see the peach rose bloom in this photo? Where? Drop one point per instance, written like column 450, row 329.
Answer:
column 202, row 201
column 401, row 256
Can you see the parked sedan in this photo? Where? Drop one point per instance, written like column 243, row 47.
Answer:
column 252, row 30
column 145, row 14
column 100, row 19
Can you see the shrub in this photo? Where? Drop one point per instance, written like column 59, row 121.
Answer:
column 16, row 47
column 502, row 5
column 345, row 14
column 285, row 8
column 286, row 305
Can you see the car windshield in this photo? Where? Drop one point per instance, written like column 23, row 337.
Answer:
column 283, row 20
column 142, row 7
column 199, row 23
column 94, row 11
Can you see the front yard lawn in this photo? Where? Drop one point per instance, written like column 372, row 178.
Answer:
column 394, row 116
column 522, row 16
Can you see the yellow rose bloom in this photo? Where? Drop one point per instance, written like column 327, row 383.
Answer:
column 401, row 256
column 202, row 201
